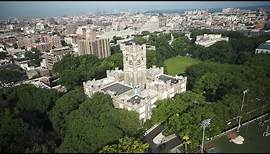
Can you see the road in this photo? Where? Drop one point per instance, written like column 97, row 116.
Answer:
column 159, row 148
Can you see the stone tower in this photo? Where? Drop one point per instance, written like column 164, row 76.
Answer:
column 134, row 63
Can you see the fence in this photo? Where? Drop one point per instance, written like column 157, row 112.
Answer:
column 223, row 133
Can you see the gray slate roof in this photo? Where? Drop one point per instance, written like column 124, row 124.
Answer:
column 117, row 88
column 166, row 78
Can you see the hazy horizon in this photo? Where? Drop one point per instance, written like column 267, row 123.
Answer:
column 60, row 8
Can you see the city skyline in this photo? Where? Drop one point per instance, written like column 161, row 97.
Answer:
column 57, row 8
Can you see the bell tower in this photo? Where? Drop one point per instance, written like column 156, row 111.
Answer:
column 134, row 63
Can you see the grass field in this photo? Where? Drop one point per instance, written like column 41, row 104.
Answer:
column 254, row 141
column 177, row 65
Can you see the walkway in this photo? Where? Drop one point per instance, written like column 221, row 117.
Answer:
column 172, row 141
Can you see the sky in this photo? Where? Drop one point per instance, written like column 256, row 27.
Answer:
column 60, row 8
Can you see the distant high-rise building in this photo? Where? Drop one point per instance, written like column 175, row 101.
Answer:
column 91, row 35
column 99, row 47
column 84, row 47
column 56, row 55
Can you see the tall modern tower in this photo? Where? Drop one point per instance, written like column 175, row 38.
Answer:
column 134, row 63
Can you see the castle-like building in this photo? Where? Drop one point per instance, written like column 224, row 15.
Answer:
column 136, row 87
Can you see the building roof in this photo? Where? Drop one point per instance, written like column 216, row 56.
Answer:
column 264, row 46
column 135, row 99
column 166, row 78
column 117, row 88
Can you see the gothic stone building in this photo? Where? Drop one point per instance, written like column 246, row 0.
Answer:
column 136, row 87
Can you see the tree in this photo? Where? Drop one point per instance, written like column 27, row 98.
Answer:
column 139, row 40
column 124, row 145
column 11, row 131
column 31, row 98
column 63, row 107
column 32, row 55
column 215, row 86
column 115, row 49
column 95, row 124
column 73, row 71
column 8, row 76
column 145, row 33
column 186, row 142
column 181, row 45
column 115, row 38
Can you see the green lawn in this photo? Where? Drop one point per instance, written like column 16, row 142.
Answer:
column 254, row 141
column 177, row 65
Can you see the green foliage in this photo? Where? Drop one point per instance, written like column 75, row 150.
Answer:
column 180, row 103
column 219, row 52
column 11, row 131
column 8, row 76
column 217, row 94
column 197, row 32
column 237, row 51
column 73, row 71
column 115, row 38
column 64, row 106
column 162, row 52
column 35, row 50
column 34, row 56
column 182, row 45
column 145, row 33
column 31, row 98
column 115, row 49
column 183, row 115
column 31, row 55
column 25, row 126
column 215, row 85
column 97, row 123
column 153, row 59
column 124, row 145
column 139, row 40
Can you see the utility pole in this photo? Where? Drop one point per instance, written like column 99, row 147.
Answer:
column 204, row 124
column 240, row 116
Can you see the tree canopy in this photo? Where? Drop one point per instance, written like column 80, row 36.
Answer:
column 73, row 71
column 97, row 123
column 124, row 145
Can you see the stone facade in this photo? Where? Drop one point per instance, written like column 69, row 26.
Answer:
column 207, row 40
column 134, row 65
column 136, row 87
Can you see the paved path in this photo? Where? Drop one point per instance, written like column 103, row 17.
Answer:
column 157, row 148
